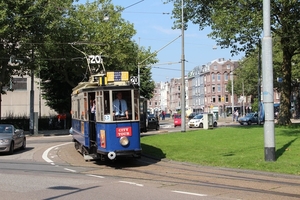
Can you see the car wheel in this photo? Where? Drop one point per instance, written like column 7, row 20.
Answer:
column 249, row 122
column 242, row 123
column 200, row 125
column 157, row 127
column 215, row 124
column 23, row 145
column 11, row 148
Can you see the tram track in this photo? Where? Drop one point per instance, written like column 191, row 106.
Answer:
column 216, row 181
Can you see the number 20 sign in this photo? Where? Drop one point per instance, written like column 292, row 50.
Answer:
column 95, row 59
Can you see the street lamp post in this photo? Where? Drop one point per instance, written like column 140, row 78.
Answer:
column 232, row 97
column 183, row 125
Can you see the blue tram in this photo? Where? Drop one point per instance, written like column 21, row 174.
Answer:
column 103, row 127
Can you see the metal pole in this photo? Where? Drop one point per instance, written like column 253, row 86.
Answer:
column 31, row 122
column 40, row 103
column 183, row 128
column 258, row 80
column 243, row 98
column 232, row 97
column 268, row 93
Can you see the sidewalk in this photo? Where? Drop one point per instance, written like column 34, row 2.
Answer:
column 49, row 133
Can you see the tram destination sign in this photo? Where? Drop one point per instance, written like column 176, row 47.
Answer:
column 117, row 76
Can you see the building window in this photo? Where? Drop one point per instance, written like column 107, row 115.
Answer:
column 213, row 89
column 225, row 86
column 219, row 98
column 215, row 67
column 213, row 77
column 214, row 99
column 19, row 84
column 226, row 77
column 226, row 98
column 228, row 67
column 219, row 88
column 178, row 88
column 149, row 103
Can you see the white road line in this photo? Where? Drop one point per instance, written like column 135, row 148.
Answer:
column 70, row 170
column 45, row 154
column 190, row 193
column 132, row 183
column 95, row 176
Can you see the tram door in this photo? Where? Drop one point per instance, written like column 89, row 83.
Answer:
column 143, row 114
column 92, row 116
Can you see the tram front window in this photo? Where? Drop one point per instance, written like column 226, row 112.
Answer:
column 122, row 105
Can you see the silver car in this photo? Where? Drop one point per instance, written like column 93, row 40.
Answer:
column 11, row 138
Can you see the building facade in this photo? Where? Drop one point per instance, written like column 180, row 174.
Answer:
column 16, row 103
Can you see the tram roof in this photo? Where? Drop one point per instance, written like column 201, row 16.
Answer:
column 94, row 84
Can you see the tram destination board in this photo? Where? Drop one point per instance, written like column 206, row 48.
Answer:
column 117, row 76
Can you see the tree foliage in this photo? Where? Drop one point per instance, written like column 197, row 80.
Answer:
column 85, row 31
column 54, row 39
column 238, row 24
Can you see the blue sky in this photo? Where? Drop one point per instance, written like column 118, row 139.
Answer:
column 154, row 29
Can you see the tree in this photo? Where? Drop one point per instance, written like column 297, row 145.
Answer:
column 238, row 24
column 84, row 31
column 24, row 24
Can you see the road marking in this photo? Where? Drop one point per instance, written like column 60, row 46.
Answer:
column 132, row 183
column 190, row 193
column 70, row 170
column 92, row 175
column 45, row 154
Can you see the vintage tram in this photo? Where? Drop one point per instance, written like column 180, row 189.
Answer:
column 100, row 128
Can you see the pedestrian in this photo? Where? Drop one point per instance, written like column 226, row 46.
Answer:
column 92, row 109
column 163, row 115
column 237, row 115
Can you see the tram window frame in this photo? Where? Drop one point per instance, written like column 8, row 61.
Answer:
column 99, row 110
column 78, row 109
column 85, row 108
column 136, row 110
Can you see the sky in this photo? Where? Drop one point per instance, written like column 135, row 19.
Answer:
column 154, row 29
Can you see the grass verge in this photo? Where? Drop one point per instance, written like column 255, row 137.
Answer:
column 232, row 147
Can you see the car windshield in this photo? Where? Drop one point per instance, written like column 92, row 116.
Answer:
column 198, row 117
column 249, row 114
column 178, row 116
column 6, row 129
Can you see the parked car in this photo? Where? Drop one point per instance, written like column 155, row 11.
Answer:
column 197, row 121
column 177, row 120
column 153, row 122
column 249, row 118
column 11, row 138
column 192, row 115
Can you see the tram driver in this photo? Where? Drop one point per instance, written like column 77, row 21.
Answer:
column 120, row 109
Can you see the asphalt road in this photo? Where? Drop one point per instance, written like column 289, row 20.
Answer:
column 58, row 171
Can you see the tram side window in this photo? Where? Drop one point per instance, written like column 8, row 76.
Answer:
column 106, row 103
column 122, row 105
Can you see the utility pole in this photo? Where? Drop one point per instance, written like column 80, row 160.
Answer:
column 31, row 121
column 268, row 93
column 183, row 125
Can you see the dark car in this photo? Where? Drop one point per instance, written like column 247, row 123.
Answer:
column 249, row 118
column 11, row 138
column 153, row 122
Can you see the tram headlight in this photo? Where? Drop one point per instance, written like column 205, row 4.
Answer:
column 124, row 141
